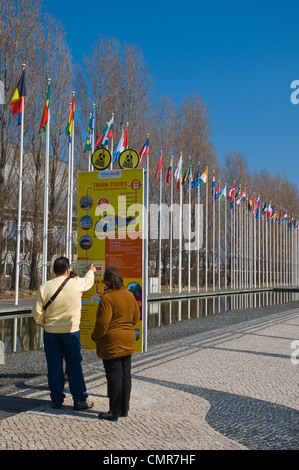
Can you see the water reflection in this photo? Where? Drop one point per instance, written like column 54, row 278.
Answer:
column 20, row 333
column 172, row 311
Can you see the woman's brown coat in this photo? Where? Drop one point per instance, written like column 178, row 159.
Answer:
column 114, row 332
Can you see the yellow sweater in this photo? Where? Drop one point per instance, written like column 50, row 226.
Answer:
column 63, row 315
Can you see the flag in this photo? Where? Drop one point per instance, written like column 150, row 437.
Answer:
column 195, row 182
column 69, row 126
column 269, row 211
column 257, row 207
column 44, row 121
column 238, row 196
column 16, row 102
column 264, row 209
column 217, row 193
column 169, row 172
column 105, row 134
column 125, row 142
column 275, row 214
column 144, row 151
column 179, row 173
column 222, row 193
column 119, row 148
column 159, row 167
column 242, row 196
column 284, row 217
column 187, row 174
column 89, row 131
column 232, row 193
column 213, row 183
column 203, row 177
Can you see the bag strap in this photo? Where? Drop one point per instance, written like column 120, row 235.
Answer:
column 56, row 293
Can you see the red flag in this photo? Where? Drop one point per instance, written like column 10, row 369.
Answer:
column 159, row 167
column 125, row 141
column 231, row 194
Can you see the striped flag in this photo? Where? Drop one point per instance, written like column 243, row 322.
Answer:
column 70, row 123
column 44, row 121
column 16, row 102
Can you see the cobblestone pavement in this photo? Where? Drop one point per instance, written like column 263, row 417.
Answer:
column 234, row 388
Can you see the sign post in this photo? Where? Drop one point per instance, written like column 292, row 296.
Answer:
column 112, row 231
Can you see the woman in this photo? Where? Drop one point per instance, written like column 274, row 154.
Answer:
column 114, row 334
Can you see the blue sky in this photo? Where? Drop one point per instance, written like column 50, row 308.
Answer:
column 241, row 57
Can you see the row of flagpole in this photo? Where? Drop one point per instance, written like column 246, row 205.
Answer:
column 256, row 259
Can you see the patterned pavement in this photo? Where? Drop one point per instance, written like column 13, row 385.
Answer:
column 234, row 388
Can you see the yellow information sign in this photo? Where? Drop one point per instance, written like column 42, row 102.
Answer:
column 110, row 233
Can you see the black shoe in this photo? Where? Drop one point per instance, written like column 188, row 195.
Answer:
column 124, row 415
column 56, row 406
column 107, row 416
column 82, row 405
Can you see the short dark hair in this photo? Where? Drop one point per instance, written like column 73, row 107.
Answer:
column 61, row 265
column 113, row 278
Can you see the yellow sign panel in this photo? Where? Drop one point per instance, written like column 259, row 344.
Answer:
column 110, row 233
column 101, row 158
column 129, row 159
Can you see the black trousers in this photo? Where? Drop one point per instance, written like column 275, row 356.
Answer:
column 118, row 374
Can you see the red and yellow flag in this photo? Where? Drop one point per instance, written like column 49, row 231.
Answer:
column 69, row 126
column 16, row 103
column 43, row 125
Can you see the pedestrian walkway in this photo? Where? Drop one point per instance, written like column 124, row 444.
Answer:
column 234, row 388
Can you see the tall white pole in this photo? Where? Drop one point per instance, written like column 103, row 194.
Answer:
column 213, row 195
column 171, row 230
column 46, row 200
column 197, row 229
column 219, row 248
column 225, row 242
column 160, row 228
column 207, row 234
column 19, row 220
column 71, row 193
column 189, row 234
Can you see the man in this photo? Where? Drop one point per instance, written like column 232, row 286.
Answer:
column 61, row 322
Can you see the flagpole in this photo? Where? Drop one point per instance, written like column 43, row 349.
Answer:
column 189, row 234
column 72, row 191
column 68, row 198
column 160, row 226
column 171, row 222
column 92, row 138
column 219, row 256
column 213, row 265
column 225, row 242
column 19, row 220
column 234, row 251
column 207, row 234
column 112, row 114
column 180, row 228
column 259, row 250
column 46, row 199
column 198, row 227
